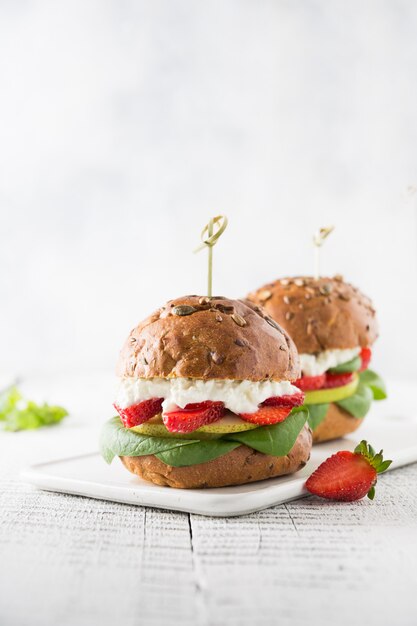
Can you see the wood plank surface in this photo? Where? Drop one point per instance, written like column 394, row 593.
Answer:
column 74, row 561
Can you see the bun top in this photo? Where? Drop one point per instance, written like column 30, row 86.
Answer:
column 321, row 314
column 201, row 337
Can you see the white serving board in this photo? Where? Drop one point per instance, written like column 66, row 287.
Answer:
column 90, row 476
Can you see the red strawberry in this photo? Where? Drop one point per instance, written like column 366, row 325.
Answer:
column 193, row 416
column 337, row 380
column 310, row 383
column 348, row 476
column 294, row 399
column 365, row 355
column 139, row 413
column 267, row 415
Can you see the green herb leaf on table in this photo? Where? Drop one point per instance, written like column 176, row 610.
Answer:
column 350, row 366
column 375, row 382
column 8, row 401
column 359, row 403
column 116, row 440
column 17, row 413
column 276, row 440
column 316, row 414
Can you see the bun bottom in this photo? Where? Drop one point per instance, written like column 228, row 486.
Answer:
column 337, row 423
column 238, row 467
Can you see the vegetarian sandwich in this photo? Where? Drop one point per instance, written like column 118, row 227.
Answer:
column 205, row 397
column 334, row 327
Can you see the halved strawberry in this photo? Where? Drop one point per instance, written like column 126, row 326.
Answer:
column 310, row 383
column 348, row 476
column 294, row 399
column 266, row 415
column 139, row 413
column 337, row 380
column 193, row 416
column 366, row 354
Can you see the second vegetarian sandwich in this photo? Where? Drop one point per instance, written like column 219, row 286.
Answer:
column 205, row 397
column 334, row 327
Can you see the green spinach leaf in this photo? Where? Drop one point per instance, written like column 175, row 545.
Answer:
column 198, row 452
column 116, row 440
column 359, row 403
column 316, row 414
column 374, row 381
column 350, row 366
column 276, row 440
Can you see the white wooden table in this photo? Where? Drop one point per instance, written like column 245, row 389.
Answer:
column 72, row 561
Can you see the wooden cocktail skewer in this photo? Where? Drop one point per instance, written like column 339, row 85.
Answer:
column 209, row 238
column 318, row 240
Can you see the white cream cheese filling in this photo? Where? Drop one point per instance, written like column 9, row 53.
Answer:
column 239, row 396
column 316, row 364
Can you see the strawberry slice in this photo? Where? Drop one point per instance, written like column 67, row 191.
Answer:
column 348, row 476
column 366, row 354
column 193, row 416
column 337, row 380
column 267, row 415
column 310, row 383
column 294, row 399
column 139, row 413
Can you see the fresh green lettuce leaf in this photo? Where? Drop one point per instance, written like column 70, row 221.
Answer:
column 316, row 414
column 17, row 413
column 359, row 403
column 374, row 381
column 276, row 440
column 198, row 452
column 116, row 440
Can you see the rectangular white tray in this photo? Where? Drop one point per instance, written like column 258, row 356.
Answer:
column 90, row 476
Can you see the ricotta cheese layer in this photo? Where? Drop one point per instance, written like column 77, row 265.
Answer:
column 239, row 396
column 316, row 364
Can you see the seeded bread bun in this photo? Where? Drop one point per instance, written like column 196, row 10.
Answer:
column 199, row 337
column 241, row 465
column 337, row 423
column 321, row 314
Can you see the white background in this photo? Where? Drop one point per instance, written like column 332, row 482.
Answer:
column 125, row 124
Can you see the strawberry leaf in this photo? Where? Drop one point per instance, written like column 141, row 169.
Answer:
column 371, row 493
column 362, row 448
column 376, row 460
column 383, row 466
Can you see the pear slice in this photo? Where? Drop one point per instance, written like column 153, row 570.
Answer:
column 324, row 396
column 230, row 423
